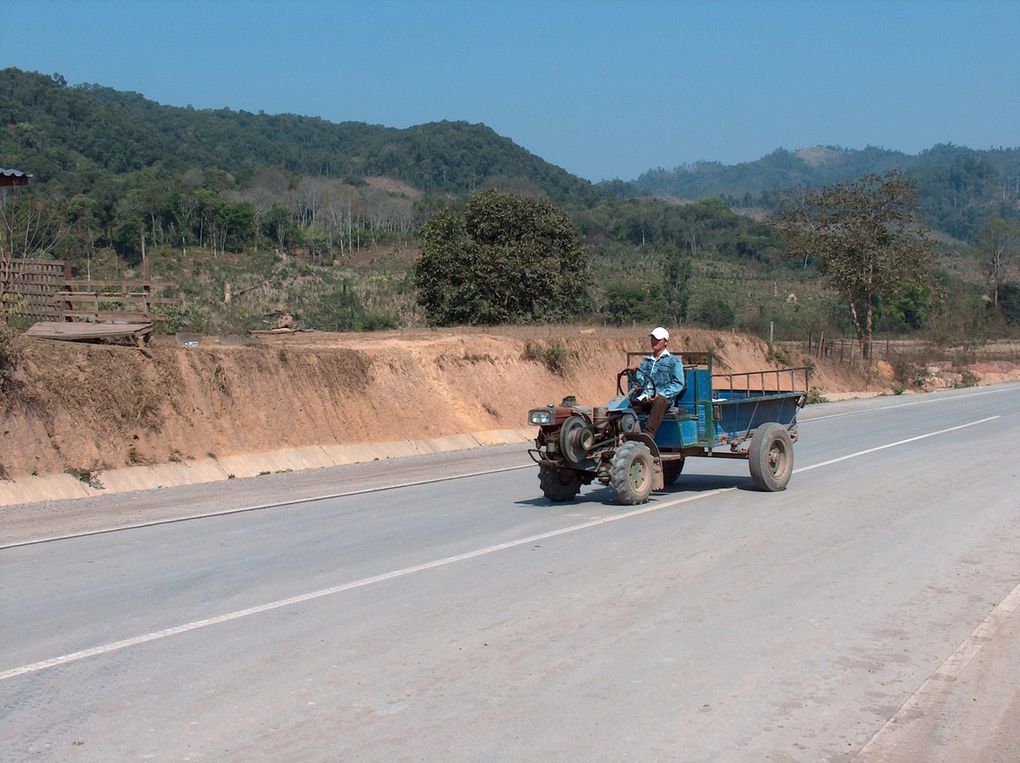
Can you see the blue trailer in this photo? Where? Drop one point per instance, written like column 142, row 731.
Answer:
column 750, row 415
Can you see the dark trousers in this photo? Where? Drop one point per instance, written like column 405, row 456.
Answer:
column 655, row 408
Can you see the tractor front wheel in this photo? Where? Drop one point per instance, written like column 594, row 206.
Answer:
column 631, row 473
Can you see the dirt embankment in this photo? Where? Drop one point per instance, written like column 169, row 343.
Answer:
column 89, row 407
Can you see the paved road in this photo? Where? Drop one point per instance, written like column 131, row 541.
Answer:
column 870, row 610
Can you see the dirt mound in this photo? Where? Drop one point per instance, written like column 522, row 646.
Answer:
column 89, row 407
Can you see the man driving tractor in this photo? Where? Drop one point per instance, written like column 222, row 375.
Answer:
column 666, row 372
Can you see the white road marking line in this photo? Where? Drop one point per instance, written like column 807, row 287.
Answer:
column 919, row 705
column 907, row 405
column 260, row 507
column 269, row 607
column 156, row 635
column 893, row 445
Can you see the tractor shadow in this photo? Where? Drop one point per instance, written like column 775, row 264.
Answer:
column 597, row 494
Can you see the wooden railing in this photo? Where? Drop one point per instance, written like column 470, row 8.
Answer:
column 101, row 301
column 45, row 290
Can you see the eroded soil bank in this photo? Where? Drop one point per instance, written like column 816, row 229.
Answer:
column 91, row 407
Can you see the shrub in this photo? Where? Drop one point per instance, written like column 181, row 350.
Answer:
column 9, row 357
column 716, row 313
column 907, row 373
column 553, row 356
column 815, row 396
column 968, row 378
column 777, row 355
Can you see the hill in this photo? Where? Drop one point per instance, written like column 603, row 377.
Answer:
column 958, row 186
column 71, row 135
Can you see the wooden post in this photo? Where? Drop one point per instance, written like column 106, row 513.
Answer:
column 146, row 282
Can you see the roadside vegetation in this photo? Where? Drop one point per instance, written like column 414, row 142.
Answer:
column 259, row 221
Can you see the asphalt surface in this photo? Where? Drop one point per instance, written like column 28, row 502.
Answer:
column 868, row 611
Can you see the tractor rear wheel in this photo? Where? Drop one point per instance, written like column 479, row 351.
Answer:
column 559, row 484
column 631, row 473
column 771, row 458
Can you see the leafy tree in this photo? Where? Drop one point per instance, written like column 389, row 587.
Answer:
column 866, row 239
column 235, row 224
column 911, row 310
column 504, row 259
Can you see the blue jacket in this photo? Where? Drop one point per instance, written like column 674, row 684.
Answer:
column 667, row 372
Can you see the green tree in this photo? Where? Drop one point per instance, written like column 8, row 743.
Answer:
column 503, row 259
column 867, row 240
column 911, row 310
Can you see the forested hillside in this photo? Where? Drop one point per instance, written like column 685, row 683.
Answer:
column 958, row 186
column 72, row 135
column 254, row 216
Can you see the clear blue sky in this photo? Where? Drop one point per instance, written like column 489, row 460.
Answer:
column 602, row 89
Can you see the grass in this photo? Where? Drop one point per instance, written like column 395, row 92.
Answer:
column 553, row 355
column 88, row 476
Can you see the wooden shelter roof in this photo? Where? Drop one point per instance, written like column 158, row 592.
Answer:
column 13, row 177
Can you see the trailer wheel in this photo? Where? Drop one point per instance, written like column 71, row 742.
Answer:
column 671, row 471
column 559, row 484
column 771, row 458
column 630, row 473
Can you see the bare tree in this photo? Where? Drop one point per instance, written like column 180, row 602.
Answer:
column 28, row 231
column 998, row 244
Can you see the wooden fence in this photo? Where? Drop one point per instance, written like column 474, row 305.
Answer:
column 841, row 349
column 45, row 290
column 29, row 287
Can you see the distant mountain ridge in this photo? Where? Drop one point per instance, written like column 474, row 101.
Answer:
column 958, row 186
column 59, row 131
column 73, row 137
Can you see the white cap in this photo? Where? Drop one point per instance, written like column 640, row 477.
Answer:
column 659, row 333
